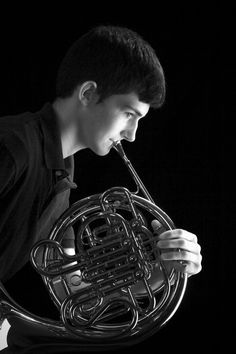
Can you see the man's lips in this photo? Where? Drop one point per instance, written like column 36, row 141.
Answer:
column 114, row 141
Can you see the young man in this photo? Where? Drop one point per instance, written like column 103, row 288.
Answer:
column 106, row 83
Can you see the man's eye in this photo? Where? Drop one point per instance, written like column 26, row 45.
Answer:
column 129, row 115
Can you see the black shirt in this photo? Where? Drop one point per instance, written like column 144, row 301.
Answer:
column 35, row 183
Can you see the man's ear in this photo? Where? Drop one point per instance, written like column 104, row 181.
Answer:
column 88, row 92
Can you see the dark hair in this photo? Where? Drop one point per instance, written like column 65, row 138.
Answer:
column 118, row 60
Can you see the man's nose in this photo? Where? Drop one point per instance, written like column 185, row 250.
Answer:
column 129, row 134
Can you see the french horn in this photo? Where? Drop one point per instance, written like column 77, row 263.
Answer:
column 110, row 287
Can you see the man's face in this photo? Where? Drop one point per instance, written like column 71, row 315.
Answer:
column 115, row 118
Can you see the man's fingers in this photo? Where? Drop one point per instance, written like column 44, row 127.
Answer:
column 179, row 248
column 188, row 267
column 182, row 244
column 178, row 233
column 180, row 256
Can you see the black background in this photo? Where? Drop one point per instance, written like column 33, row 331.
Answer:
column 178, row 150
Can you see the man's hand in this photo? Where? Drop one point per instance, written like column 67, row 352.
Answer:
column 179, row 245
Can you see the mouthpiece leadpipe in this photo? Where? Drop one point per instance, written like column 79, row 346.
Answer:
column 119, row 148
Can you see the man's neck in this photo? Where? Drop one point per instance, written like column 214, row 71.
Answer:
column 69, row 129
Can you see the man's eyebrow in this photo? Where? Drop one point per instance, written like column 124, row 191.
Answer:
column 139, row 114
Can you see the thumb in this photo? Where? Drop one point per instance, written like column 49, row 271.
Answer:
column 156, row 225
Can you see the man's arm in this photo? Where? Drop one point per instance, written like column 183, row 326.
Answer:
column 7, row 171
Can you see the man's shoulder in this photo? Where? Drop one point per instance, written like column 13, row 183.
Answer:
column 31, row 137
column 14, row 146
column 17, row 122
column 16, row 131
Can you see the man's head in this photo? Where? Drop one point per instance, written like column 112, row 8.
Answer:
column 114, row 76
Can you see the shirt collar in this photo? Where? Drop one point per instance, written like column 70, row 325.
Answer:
column 51, row 138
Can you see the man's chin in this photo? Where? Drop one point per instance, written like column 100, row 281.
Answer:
column 102, row 152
